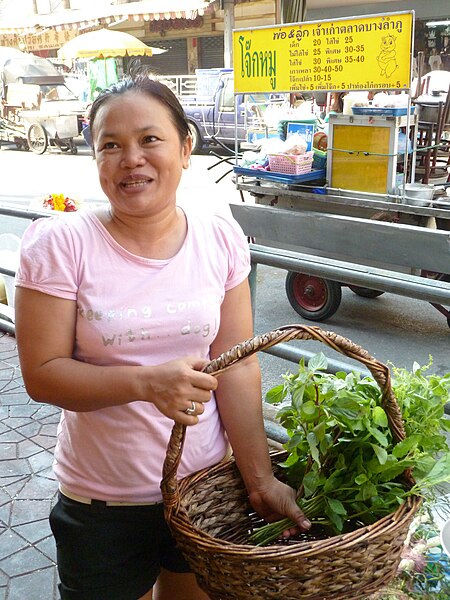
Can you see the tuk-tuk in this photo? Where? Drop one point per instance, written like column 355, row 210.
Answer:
column 37, row 108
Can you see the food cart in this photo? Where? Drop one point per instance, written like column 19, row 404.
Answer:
column 361, row 220
column 37, row 109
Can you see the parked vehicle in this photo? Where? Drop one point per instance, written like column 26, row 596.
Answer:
column 209, row 102
column 37, row 108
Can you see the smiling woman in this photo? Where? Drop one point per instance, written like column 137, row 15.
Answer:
column 140, row 157
column 141, row 309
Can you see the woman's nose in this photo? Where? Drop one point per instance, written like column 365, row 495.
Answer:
column 132, row 155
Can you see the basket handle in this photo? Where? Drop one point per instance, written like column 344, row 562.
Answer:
column 379, row 371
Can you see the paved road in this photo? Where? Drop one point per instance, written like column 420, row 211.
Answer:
column 392, row 328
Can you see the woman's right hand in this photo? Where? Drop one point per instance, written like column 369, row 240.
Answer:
column 177, row 386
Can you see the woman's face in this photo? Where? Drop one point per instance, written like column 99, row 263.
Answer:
column 139, row 154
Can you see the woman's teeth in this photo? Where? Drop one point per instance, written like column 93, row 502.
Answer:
column 135, row 183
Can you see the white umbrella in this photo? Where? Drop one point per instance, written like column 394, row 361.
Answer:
column 105, row 43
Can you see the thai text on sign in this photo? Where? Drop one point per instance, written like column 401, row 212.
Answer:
column 29, row 42
column 373, row 52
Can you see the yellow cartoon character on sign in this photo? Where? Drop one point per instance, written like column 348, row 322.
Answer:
column 387, row 59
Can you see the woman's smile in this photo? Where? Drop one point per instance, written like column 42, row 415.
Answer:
column 135, row 183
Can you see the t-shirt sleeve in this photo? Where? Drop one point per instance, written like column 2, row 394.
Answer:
column 47, row 259
column 237, row 248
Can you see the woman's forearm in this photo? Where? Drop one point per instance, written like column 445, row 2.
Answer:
column 79, row 386
column 240, row 406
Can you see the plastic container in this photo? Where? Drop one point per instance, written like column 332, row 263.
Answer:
column 314, row 175
column 376, row 111
column 293, row 164
column 352, row 98
column 9, row 259
column 320, row 159
column 348, row 105
column 445, row 537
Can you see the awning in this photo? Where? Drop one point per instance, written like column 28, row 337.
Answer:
column 76, row 19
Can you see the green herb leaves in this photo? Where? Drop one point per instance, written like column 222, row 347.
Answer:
column 341, row 454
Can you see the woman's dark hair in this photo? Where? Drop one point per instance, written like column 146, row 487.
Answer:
column 142, row 82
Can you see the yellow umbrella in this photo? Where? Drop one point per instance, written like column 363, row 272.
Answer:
column 105, row 43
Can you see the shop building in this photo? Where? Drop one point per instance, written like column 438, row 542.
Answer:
column 192, row 31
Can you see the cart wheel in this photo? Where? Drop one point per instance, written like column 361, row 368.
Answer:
column 365, row 292
column 37, row 138
column 73, row 149
column 313, row 298
column 446, row 277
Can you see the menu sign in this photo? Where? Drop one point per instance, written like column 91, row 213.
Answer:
column 360, row 53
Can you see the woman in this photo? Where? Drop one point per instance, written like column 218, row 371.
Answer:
column 117, row 312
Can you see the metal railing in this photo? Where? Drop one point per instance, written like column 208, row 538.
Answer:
column 181, row 85
column 274, row 431
column 188, row 88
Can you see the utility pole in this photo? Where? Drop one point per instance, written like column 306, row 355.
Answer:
column 228, row 24
column 290, row 11
column 278, row 11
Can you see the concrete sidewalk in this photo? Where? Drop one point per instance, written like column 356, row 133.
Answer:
column 28, row 487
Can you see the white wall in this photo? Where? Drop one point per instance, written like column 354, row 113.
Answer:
column 14, row 9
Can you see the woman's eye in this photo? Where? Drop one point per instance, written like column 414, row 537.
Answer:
column 149, row 139
column 109, row 145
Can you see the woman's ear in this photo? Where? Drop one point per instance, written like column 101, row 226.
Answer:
column 186, row 151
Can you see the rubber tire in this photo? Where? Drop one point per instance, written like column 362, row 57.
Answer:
column 313, row 298
column 446, row 277
column 37, row 132
column 365, row 292
column 23, row 145
column 197, row 142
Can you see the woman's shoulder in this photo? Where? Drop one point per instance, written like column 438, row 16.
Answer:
column 58, row 226
column 219, row 223
column 226, row 244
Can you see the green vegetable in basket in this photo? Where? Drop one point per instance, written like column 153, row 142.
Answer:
column 341, row 454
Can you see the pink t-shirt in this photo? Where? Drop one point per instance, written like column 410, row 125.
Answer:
column 134, row 311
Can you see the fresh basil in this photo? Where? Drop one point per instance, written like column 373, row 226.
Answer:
column 341, row 454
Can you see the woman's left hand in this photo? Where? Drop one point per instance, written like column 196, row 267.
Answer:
column 274, row 501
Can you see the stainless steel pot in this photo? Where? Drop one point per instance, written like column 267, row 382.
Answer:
column 419, row 194
column 428, row 106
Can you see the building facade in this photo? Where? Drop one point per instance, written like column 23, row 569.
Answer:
column 192, row 31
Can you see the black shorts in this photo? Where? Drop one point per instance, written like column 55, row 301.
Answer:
column 111, row 552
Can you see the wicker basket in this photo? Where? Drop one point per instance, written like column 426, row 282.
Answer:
column 292, row 164
column 210, row 516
